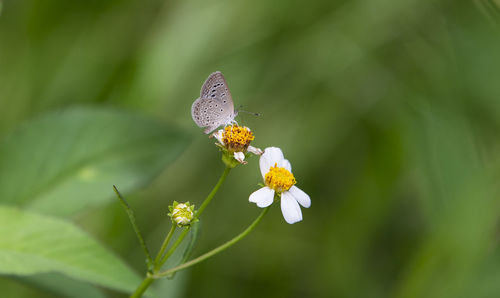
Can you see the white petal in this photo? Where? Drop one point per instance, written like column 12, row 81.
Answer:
column 218, row 136
column 275, row 154
column 290, row 208
column 262, row 197
column 254, row 150
column 285, row 164
column 300, row 196
column 264, row 164
column 240, row 156
column 271, row 156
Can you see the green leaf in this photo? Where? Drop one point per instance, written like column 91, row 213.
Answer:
column 65, row 161
column 62, row 286
column 31, row 243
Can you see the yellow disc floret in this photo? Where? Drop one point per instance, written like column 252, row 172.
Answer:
column 237, row 138
column 279, row 179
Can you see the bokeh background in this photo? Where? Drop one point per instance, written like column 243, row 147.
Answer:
column 388, row 111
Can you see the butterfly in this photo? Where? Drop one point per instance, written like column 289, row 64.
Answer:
column 215, row 105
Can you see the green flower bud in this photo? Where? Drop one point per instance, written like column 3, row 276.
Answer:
column 181, row 213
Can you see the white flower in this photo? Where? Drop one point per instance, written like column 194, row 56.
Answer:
column 236, row 141
column 278, row 177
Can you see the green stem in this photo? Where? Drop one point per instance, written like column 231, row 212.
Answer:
column 194, row 232
column 212, row 193
column 173, row 247
column 131, row 217
column 148, row 280
column 197, row 214
column 164, row 246
column 214, row 251
column 142, row 287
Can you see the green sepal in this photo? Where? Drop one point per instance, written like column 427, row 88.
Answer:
column 228, row 160
column 277, row 196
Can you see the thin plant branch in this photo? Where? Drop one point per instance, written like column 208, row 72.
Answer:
column 215, row 251
column 131, row 217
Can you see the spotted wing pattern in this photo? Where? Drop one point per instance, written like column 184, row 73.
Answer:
column 215, row 106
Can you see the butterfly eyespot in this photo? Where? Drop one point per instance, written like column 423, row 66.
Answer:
column 213, row 95
column 224, row 101
column 221, row 110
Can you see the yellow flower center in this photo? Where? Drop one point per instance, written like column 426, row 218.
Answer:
column 237, row 138
column 279, row 179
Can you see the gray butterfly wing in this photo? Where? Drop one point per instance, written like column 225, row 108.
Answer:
column 205, row 113
column 215, row 106
column 216, row 87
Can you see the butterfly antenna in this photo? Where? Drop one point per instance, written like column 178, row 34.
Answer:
column 251, row 113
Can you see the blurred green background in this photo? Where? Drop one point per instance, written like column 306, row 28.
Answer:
column 388, row 111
